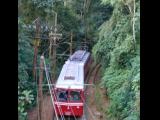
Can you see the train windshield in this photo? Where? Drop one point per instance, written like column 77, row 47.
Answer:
column 62, row 95
column 75, row 96
column 71, row 95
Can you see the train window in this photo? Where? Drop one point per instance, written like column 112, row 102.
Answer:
column 62, row 96
column 75, row 96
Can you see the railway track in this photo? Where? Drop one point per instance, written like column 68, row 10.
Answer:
column 91, row 79
column 94, row 74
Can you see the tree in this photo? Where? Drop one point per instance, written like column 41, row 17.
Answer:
column 118, row 51
column 25, row 53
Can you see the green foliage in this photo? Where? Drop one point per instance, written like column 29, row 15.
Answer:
column 24, row 98
column 119, row 55
column 123, row 90
column 95, row 15
column 25, row 54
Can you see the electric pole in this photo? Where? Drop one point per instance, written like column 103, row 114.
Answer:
column 53, row 37
column 36, row 45
column 40, row 92
column 71, row 44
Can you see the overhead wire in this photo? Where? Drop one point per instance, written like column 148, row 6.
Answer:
column 55, row 98
column 49, row 88
column 59, row 108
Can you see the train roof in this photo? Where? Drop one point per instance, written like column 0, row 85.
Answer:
column 80, row 56
column 72, row 73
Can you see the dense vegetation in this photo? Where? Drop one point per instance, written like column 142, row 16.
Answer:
column 118, row 51
column 25, row 54
column 111, row 29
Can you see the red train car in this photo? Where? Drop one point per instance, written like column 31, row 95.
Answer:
column 69, row 88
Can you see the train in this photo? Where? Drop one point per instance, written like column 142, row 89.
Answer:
column 69, row 88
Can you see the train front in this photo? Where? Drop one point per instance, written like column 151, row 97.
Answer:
column 69, row 88
column 69, row 102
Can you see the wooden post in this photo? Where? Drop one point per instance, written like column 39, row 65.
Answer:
column 36, row 44
column 71, row 44
column 54, row 36
column 54, row 61
column 54, row 50
column 40, row 92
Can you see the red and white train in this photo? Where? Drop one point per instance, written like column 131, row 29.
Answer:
column 69, row 88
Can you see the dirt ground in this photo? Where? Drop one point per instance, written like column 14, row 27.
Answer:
column 97, row 100
column 97, row 104
column 47, row 110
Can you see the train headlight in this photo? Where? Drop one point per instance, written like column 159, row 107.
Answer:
column 78, row 107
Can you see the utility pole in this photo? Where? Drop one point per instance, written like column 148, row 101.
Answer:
column 36, row 45
column 54, row 36
column 71, row 44
column 40, row 92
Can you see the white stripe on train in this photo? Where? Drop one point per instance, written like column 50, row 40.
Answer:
column 69, row 104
